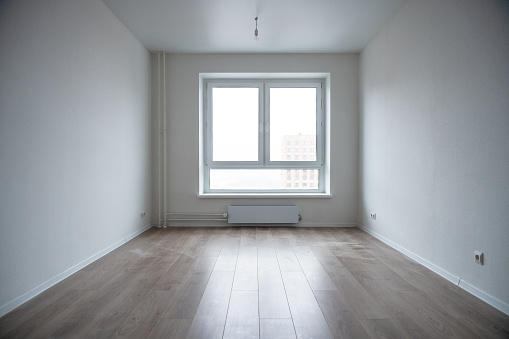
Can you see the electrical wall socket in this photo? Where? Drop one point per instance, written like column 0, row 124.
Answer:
column 373, row 216
column 479, row 257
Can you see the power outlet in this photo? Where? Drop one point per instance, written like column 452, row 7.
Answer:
column 142, row 214
column 373, row 216
column 479, row 257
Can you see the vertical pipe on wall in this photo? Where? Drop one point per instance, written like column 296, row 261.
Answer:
column 159, row 216
column 164, row 140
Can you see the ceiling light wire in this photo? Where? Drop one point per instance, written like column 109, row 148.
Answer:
column 256, row 30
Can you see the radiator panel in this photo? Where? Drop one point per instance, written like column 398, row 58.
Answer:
column 263, row 214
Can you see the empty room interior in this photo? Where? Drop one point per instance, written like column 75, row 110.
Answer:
column 254, row 168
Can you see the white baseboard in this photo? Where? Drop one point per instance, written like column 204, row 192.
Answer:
column 224, row 223
column 137, row 233
column 498, row 304
column 11, row 305
column 487, row 298
column 308, row 224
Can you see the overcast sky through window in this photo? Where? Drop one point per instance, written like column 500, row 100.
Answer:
column 235, row 132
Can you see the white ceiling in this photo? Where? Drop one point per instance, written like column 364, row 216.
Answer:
column 227, row 26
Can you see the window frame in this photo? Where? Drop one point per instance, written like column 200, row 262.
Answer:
column 264, row 84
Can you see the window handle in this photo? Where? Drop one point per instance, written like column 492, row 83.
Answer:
column 261, row 127
column 267, row 129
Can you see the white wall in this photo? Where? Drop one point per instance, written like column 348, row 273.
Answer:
column 183, row 112
column 74, row 139
column 434, row 131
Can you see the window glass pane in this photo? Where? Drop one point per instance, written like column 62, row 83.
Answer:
column 257, row 179
column 235, row 124
column 292, row 121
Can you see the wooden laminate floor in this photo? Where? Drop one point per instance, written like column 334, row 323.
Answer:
column 255, row 282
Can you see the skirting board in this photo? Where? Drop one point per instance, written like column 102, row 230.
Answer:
column 498, row 304
column 11, row 305
column 224, row 223
column 489, row 299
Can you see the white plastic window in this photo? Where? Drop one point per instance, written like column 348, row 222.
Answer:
column 249, row 126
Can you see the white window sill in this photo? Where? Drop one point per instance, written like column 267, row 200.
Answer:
column 266, row 195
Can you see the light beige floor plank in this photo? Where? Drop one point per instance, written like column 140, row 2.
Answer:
column 178, row 272
column 383, row 328
column 277, row 329
column 170, row 329
column 107, row 322
column 185, row 301
column 402, row 315
column 226, row 262
column 149, row 310
column 308, row 319
column 101, row 298
column 210, row 317
column 246, row 271
column 287, row 260
column 315, row 273
column 272, row 294
column 340, row 317
column 242, row 320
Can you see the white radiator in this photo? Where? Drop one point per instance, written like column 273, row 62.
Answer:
column 263, row 214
